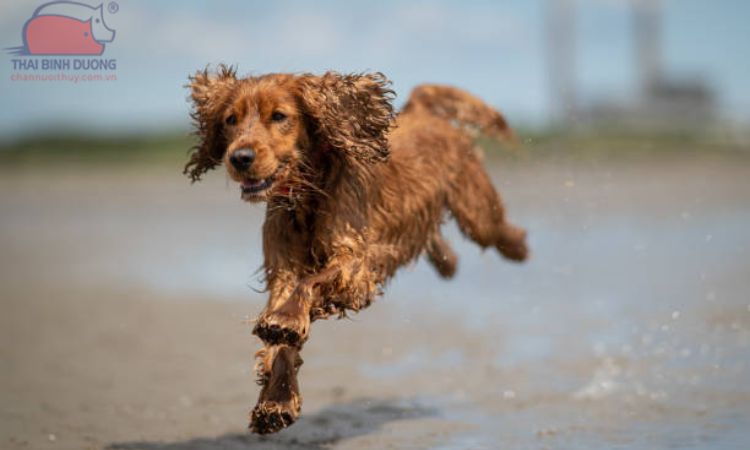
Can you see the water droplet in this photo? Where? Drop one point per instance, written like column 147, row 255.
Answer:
column 675, row 315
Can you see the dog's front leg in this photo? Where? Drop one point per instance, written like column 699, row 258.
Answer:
column 286, row 319
column 283, row 327
column 351, row 285
column 346, row 282
column 280, row 401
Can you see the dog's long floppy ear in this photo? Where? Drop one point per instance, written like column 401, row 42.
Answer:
column 209, row 93
column 351, row 112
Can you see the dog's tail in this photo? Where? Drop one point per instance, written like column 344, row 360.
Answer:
column 459, row 107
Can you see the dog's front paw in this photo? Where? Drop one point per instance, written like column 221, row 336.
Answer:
column 271, row 417
column 279, row 327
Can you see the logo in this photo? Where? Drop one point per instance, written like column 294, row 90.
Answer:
column 66, row 28
column 63, row 41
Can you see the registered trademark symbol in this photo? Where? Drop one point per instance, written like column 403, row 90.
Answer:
column 113, row 7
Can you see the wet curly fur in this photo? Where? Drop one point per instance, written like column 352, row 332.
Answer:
column 353, row 192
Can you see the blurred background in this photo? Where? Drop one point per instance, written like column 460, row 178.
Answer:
column 126, row 292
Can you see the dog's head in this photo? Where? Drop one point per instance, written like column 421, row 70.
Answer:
column 267, row 129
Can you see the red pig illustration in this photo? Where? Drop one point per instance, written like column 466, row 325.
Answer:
column 66, row 28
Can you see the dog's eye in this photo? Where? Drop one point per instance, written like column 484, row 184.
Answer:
column 278, row 116
column 231, row 120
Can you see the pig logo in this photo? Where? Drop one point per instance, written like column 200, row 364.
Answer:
column 65, row 28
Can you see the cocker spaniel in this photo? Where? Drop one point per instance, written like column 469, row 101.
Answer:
column 353, row 191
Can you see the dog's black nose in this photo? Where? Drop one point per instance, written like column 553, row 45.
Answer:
column 242, row 158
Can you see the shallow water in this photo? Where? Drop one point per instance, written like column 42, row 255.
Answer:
column 629, row 327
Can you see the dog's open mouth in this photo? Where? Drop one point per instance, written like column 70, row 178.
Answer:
column 253, row 186
column 256, row 188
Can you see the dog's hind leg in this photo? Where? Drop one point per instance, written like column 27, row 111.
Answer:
column 479, row 212
column 441, row 255
column 280, row 401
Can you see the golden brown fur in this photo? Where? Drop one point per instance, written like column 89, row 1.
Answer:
column 353, row 193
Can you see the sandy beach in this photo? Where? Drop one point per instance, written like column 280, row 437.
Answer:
column 126, row 295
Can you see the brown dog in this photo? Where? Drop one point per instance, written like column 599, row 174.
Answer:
column 353, row 192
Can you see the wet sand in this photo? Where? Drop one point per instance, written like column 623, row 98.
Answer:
column 125, row 296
